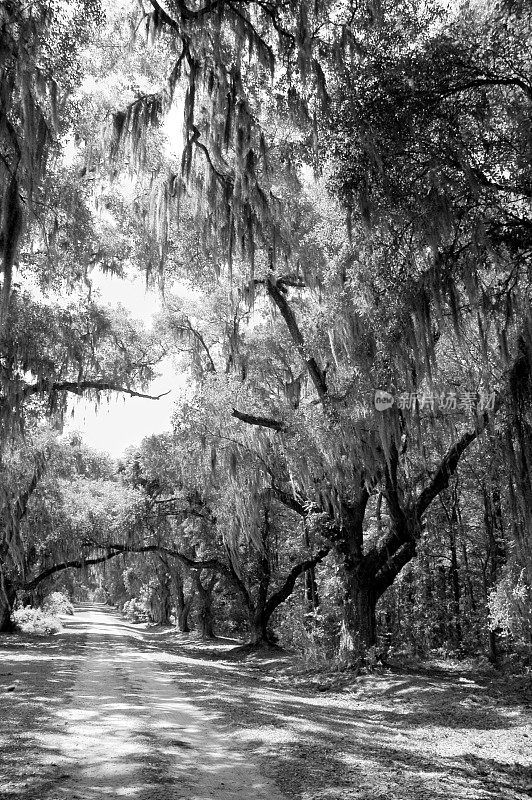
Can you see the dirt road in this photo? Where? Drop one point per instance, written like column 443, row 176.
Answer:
column 109, row 709
column 129, row 731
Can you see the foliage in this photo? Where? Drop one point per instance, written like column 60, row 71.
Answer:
column 510, row 607
column 135, row 610
column 284, row 502
column 57, row 603
column 99, row 595
column 61, row 503
column 34, row 621
column 39, row 44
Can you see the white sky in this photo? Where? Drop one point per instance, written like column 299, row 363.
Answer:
column 114, row 425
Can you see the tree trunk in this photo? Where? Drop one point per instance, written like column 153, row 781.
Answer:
column 465, row 558
column 205, row 615
column 359, row 625
column 205, row 621
column 165, row 604
column 455, row 573
column 258, row 611
column 263, row 607
column 259, row 627
column 165, row 610
column 182, row 604
column 496, row 554
column 7, row 601
column 182, row 617
column 183, row 607
column 312, row 600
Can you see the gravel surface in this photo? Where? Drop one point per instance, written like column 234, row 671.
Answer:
column 109, row 709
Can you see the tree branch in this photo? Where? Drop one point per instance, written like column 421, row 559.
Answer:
column 194, row 14
column 289, row 501
column 316, row 374
column 400, row 544
column 449, row 463
column 119, row 549
column 44, row 387
column 164, row 17
column 263, row 422
column 76, row 563
column 386, row 576
column 489, row 81
column 286, row 589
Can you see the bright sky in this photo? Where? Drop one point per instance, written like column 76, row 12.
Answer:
column 122, row 421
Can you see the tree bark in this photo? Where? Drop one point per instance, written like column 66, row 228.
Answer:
column 259, row 627
column 359, row 626
column 465, row 559
column 455, row 570
column 205, row 617
column 258, row 610
column 7, row 601
column 161, row 602
column 496, row 554
column 183, row 605
column 206, row 622
column 183, row 613
column 312, row 600
column 165, row 604
column 261, row 611
column 358, row 631
column 262, row 608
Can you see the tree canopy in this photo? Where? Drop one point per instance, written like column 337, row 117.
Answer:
column 333, row 200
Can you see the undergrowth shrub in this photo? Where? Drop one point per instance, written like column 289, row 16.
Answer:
column 135, row 611
column 313, row 635
column 57, row 603
column 33, row 620
column 99, row 595
column 510, row 610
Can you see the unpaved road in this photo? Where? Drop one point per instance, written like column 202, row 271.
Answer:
column 129, row 731
column 110, row 709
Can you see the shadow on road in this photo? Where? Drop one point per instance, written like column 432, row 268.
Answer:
column 106, row 681
column 93, row 715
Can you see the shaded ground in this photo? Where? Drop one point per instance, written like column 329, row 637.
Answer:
column 108, row 709
column 94, row 716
